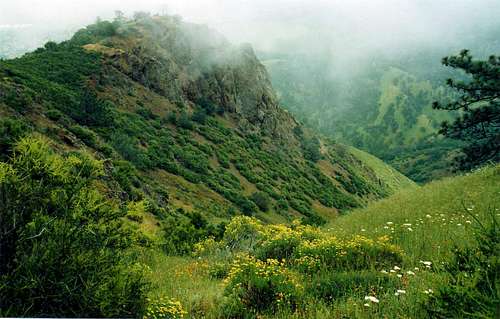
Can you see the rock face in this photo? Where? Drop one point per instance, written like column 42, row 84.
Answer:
column 193, row 63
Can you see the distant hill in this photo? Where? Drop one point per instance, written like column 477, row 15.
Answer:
column 383, row 107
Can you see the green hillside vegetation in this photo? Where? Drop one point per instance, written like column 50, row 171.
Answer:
column 391, row 117
column 146, row 136
column 180, row 138
column 396, row 258
column 147, row 170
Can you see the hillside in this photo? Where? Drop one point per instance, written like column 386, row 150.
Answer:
column 183, row 120
column 148, row 170
column 388, row 260
column 382, row 97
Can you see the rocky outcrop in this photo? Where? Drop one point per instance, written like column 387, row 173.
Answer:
column 190, row 62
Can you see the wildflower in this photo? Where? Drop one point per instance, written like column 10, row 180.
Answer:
column 389, row 223
column 372, row 299
column 409, row 272
column 383, row 271
column 363, row 229
column 426, row 263
column 468, row 222
column 428, row 216
column 399, row 275
column 366, row 305
column 392, row 271
column 396, row 268
column 400, row 292
column 416, row 269
column 407, row 225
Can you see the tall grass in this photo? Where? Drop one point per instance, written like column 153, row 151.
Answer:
column 427, row 223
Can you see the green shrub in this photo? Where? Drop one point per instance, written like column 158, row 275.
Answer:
column 147, row 113
column 257, row 286
column 93, row 111
column 262, row 200
column 182, row 234
column 357, row 253
column 10, row 131
column 54, row 115
column 184, row 121
column 87, row 136
column 64, row 250
column 200, row 116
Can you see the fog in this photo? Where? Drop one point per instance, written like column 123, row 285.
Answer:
column 347, row 29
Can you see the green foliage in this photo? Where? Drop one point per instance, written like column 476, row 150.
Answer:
column 267, row 263
column 93, row 111
column 311, row 149
column 54, row 115
column 262, row 200
column 184, row 121
column 473, row 290
column 93, row 33
column 87, row 136
column 63, row 247
column 10, row 131
column 384, row 109
column 479, row 102
column 181, row 234
column 256, row 286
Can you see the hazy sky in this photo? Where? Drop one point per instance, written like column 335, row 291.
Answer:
column 353, row 25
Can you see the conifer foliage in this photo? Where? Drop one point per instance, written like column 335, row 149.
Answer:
column 478, row 122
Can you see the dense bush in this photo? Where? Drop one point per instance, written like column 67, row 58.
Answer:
column 10, row 131
column 262, row 200
column 354, row 254
column 181, row 234
column 63, row 249
column 257, row 286
column 87, row 136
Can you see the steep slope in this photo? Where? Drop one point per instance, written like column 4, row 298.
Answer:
column 183, row 120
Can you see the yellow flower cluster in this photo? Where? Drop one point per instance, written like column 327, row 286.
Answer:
column 250, row 278
column 163, row 308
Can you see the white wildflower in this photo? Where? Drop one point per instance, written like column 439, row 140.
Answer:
column 372, row 299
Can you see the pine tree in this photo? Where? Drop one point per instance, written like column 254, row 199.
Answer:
column 478, row 103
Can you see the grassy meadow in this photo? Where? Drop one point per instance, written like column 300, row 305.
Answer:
column 388, row 262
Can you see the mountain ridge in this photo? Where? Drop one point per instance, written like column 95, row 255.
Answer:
column 184, row 120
